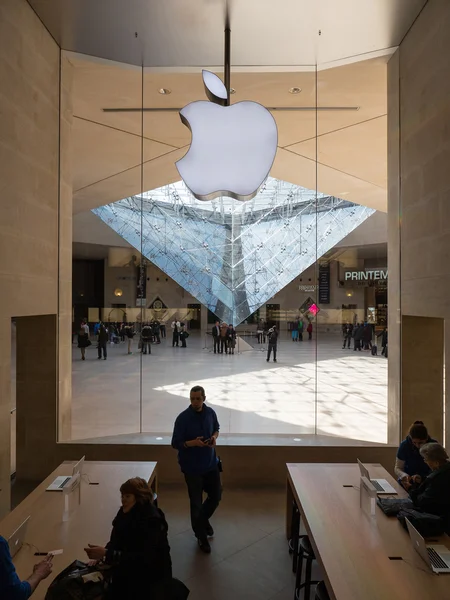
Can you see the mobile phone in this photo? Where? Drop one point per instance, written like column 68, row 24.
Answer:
column 208, row 441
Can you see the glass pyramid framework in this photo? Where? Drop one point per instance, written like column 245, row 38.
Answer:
column 233, row 256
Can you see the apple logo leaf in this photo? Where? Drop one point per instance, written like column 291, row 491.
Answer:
column 214, row 88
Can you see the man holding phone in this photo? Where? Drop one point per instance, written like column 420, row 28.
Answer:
column 194, row 436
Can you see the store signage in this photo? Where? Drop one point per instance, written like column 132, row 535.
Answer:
column 232, row 148
column 366, row 275
column 324, row 284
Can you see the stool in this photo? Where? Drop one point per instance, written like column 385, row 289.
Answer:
column 305, row 552
column 295, row 536
column 321, row 592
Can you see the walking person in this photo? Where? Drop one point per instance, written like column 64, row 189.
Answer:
column 347, row 330
column 231, row 338
column 146, row 339
column 129, row 333
column 183, row 335
column 273, row 340
column 384, row 341
column 175, row 326
column 367, row 335
column 295, row 331
column 309, row 329
column 102, row 341
column 194, row 436
column 83, row 342
column 162, row 329
column 300, row 330
column 357, row 337
column 216, row 337
column 223, row 338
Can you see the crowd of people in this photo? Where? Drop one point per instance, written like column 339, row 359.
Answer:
column 224, row 338
column 363, row 335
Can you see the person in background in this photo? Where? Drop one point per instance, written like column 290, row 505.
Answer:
column 129, row 333
column 367, row 335
column 357, row 337
column 102, row 337
column 410, row 467
column 183, row 335
column 162, row 329
column 195, row 435
column 11, row 588
column 260, row 331
column 272, row 334
column 294, row 333
column 122, row 332
column 309, row 329
column 85, row 326
column 223, row 338
column 146, row 339
column 156, row 328
column 83, row 342
column 384, row 340
column 347, row 330
column 216, row 337
column 300, row 326
column 231, row 338
column 175, row 326
column 433, row 493
column 97, row 327
column 138, row 550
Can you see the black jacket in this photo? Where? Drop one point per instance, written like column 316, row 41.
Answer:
column 433, row 494
column 216, row 331
column 138, row 551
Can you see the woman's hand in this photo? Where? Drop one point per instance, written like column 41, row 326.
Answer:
column 416, row 479
column 95, row 552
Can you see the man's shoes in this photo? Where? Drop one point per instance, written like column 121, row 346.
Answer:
column 204, row 546
column 209, row 530
column 267, row 360
column 274, row 360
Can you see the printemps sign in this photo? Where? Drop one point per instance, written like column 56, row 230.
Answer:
column 364, row 278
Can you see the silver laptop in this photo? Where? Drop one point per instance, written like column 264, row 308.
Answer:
column 381, row 485
column 436, row 556
column 16, row 540
column 58, row 484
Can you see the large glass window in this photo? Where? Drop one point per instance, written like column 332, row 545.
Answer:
column 154, row 268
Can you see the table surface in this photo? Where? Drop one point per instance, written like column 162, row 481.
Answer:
column 89, row 523
column 353, row 549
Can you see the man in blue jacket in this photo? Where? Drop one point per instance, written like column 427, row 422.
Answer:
column 11, row 588
column 194, row 436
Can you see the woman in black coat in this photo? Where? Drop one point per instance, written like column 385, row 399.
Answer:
column 138, row 551
column 433, row 494
column 83, row 342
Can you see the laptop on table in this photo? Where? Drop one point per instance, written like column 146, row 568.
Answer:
column 58, row 484
column 16, row 540
column 436, row 556
column 381, row 485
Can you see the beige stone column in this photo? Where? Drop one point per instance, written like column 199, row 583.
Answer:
column 65, row 255
column 5, row 414
column 393, row 246
column 36, row 392
column 423, row 373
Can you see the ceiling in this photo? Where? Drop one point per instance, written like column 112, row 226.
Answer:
column 177, row 33
column 351, row 146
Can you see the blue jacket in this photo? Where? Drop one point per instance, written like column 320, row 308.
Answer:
column 414, row 463
column 190, row 425
column 11, row 588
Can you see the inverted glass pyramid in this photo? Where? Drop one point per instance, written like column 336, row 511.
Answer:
column 233, row 256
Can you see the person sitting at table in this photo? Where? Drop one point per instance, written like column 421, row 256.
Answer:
column 409, row 465
column 11, row 588
column 433, row 494
column 138, row 550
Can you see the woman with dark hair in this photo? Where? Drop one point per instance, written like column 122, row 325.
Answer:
column 410, row 466
column 138, row 550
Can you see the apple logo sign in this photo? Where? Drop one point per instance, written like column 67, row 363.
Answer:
column 232, row 148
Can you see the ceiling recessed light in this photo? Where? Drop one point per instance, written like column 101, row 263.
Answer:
column 164, row 91
column 232, row 91
column 295, row 90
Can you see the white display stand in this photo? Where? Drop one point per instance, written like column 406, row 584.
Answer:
column 242, row 345
column 71, row 496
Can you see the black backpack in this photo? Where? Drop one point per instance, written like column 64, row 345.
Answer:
column 79, row 581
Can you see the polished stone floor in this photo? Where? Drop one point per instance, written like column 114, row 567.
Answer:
column 313, row 388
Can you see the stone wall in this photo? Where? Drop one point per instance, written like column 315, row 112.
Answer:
column 29, row 126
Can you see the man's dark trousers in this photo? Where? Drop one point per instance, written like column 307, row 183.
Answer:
column 201, row 511
column 216, row 344
column 269, row 351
